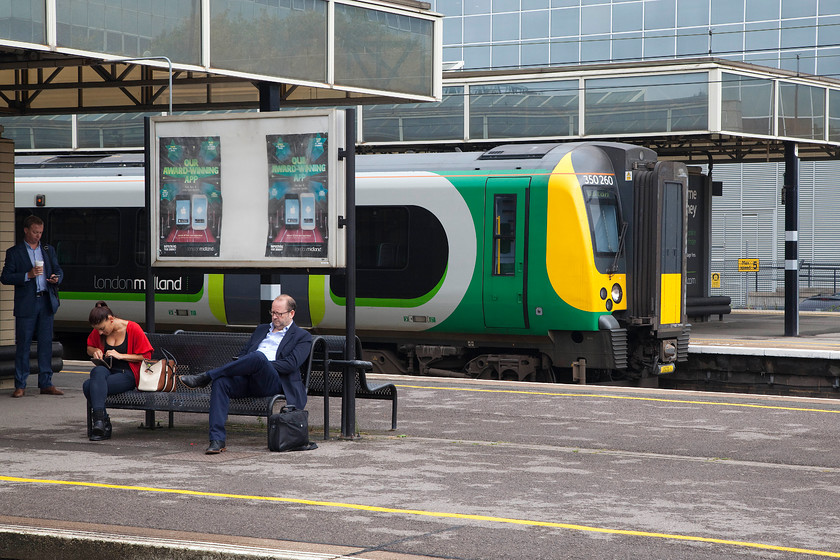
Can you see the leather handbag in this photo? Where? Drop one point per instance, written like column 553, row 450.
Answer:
column 158, row 375
column 288, row 430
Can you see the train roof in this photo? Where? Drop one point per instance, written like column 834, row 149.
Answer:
column 509, row 156
column 72, row 165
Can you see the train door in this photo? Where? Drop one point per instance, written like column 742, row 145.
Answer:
column 505, row 243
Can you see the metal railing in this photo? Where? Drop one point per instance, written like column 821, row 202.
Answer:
column 765, row 288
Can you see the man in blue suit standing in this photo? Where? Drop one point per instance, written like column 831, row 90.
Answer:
column 267, row 365
column 33, row 269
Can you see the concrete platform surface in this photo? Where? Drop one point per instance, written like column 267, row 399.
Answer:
column 477, row 470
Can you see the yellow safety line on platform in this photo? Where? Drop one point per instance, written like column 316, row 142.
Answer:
column 439, row 514
column 655, row 399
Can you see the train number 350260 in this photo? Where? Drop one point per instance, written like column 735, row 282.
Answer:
column 597, row 179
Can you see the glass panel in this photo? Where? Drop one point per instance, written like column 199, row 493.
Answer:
column 477, row 7
column 383, row 51
column 504, row 234
column 799, row 33
column 416, row 121
column 660, row 14
column 657, row 44
column 758, row 10
column 799, row 61
column 565, row 23
column 602, row 208
column 288, row 40
column 477, row 57
column 477, row 29
column 506, row 27
column 524, row 110
column 761, row 36
column 834, row 115
column 535, row 54
column 626, row 17
column 505, row 56
column 131, row 28
column 728, row 40
column 23, row 20
column 627, row 46
column 747, row 104
column 693, row 41
column 691, row 13
column 727, row 11
column 801, row 111
column 595, row 19
column 89, row 237
column 505, row 6
column 673, row 103
column 595, row 48
column 535, row 24
column 449, row 7
column 39, row 132
column 799, row 8
column 115, row 130
column 829, row 62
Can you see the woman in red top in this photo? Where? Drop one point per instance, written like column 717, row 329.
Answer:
column 125, row 343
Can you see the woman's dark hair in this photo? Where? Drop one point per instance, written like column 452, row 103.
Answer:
column 99, row 313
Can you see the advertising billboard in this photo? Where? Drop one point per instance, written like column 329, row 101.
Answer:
column 254, row 190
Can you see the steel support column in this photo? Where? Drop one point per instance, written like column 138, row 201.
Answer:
column 791, row 201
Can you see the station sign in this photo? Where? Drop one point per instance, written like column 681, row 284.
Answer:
column 748, row 265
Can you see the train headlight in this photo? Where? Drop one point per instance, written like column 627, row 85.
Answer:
column 603, row 293
column 617, row 293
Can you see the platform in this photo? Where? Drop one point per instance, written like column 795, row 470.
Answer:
column 477, row 470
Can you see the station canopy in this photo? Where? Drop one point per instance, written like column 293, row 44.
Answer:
column 110, row 56
column 696, row 110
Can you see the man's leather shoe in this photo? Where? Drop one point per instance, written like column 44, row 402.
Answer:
column 197, row 380
column 216, row 446
column 51, row 390
column 18, row 393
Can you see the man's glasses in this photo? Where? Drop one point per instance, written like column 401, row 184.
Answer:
column 279, row 313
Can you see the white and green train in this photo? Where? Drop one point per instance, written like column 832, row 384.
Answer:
column 511, row 264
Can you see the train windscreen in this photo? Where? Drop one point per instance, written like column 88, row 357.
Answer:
column 602, row 208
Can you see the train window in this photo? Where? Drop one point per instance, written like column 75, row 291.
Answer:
column 382, row 237
column 504, row 234
column 602, row 208
column 86, row 236
column 401, row 253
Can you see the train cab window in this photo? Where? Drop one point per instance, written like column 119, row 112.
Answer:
column 86, row 236
column 504, row 234
column 602, row 208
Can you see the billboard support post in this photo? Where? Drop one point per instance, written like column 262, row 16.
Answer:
column 348, row 400
column 150, row 274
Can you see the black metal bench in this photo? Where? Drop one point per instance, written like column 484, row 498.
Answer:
column 328, row 356
column 197, row 352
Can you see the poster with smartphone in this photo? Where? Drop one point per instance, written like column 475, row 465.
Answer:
column 190, row 196
column 297, row 195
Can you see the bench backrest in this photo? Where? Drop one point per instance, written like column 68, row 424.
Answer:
column 197, row 352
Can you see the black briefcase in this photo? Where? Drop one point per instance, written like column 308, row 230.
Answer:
column 288, row 430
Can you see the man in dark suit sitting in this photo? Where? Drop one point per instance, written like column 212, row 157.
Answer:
column 33, row 269
column 268, row 364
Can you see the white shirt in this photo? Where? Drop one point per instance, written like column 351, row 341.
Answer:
column 272, row 341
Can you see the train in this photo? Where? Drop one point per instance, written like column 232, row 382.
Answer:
column 523, row 262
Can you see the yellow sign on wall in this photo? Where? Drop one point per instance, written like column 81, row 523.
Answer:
column 747, row 265
column 715, row 279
